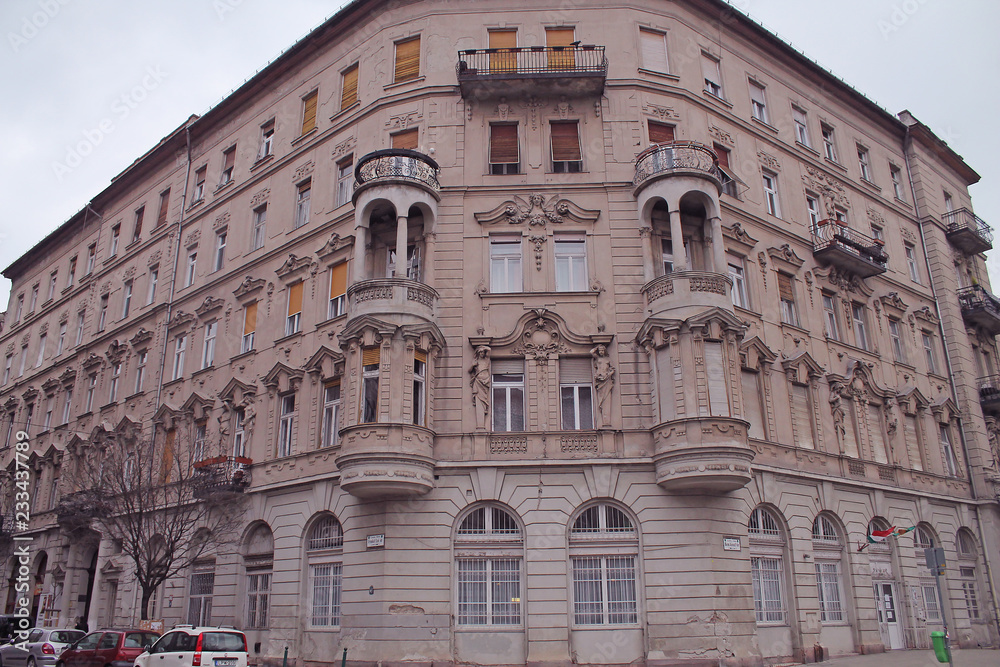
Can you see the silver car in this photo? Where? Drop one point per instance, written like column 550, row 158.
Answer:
column 44, row 646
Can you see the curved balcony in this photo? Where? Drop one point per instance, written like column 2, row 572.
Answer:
column 396, row 166
column 398, row 299
column 567, row 70
column 967, row 232
column 685, row 293
column 989, row 393
column 704, row 455
column 848, row 249
column 679, row 158
column 221, row 475
column 386, row 461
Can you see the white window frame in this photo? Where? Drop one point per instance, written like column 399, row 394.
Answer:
column 41, row 350
column 859, row 315
column 370, row 385
column 116, row 232
column 286, row 424
column 202, row 589
column 126, row 298
column 649, row 38
column 67, row 404
column 200, row 445
column 102, row 315
column 758, row 102
column 830, row 317
column 506, row 265
column 332, row 400
column 258, row 599
column 246, row 341
column 592, row 605
column 91, row 390
column 192, row 268
column 772, row 202
column 768, row 589
column 419, row 392
column 711, row 70
column 208, row 349
column 345, row 181
column 116, row 373
column 324, row 553
column 259, row 233
column 266, row 140
column 829, row 591
column 930, row 356
column 303, row 195
column 570, row 253
column 864, row 163
column 180, row 347
column 91, row 258
column 829, row 135
column 896, row 174
column 737, row 271
column 910, row 252
column 948, row 450
column 220, row 248
column 801, row 120
column 239, row 432
column 896, row 338
column 154, row 275
column 140, row 369
column 503, row 398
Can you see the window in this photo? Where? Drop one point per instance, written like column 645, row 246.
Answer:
column 91, row 388
column 829, row 145
column 896, row 174
column 220, row 249
column 180, row 345
column 192, row 267
column 80, row 319
column 949, row 203
column 67, row 404
column 200, row 442
column 563, row 58
column 770, row 182
column 345, row 181
column 667, row 255
column 29, row 410
column 758, row 103
column 331, row 415
column 412, row 263
column 604, row 586
column 71, row 276
column 407, row 60
column 830, row 317
column 24, row 359
column 419, row 387
column 931, row 606
column 91, row 258
column 200, row 600
column 504, row 155
column 911, row 262
column 293, row 322
column 53, row 279
column 660, row 133
column 950, row 462
column 787, row 296
column 103, row 314
column 116, row 373
column 488, row 546
column 898, row 350
column 161, row 216
column 737, row 272
column 259, row 223
column 228, row 164
column 877, row 233
column 199, row 184
column 571, row 263
column 929, row 355
column 140, row 369
column 309, row 112
column 576, row 393
column 801, row 126
column 502, row 57
column 370, row 360
column 729, row 181
column 712, row 75
column 126, row 298
column 249, row 327
column 61, row 341
column 828, row 590
column 766, row 574
column 49, row 406
column 266, row 140
column 508, row 395
column 324, row 548
column 137, row 225
column 338, row 291
column 208, row 350
column 349, row 87
column 408, row 139
column 566, row 156
column 505, row 264
column 968, row 575
column 41, row 351
column 286, row 425
column 7, row 364
column 302, row 204
column 258, row 594
column 653, row 45
column 860, row 318
column 116, row 231
column 239, row 432
column 864, row 163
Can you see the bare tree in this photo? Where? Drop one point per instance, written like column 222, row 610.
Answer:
column 153, row 500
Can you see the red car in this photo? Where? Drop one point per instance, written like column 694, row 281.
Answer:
column 107, row 648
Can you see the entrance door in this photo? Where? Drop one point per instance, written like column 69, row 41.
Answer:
column 889, row 623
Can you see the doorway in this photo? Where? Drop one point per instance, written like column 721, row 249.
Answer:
column 889, row 624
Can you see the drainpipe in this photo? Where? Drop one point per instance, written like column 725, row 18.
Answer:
column 907, row 142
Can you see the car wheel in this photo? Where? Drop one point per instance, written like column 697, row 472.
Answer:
column 31, row 661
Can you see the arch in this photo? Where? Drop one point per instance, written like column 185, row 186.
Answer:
column 258, row 564
column 925, row 537
column 324, row 556
column 966, row 544
column 773, row 597
column 691, row 198
column 488, row 519
column 258, row 539
column 324, row 531
column 603, row 516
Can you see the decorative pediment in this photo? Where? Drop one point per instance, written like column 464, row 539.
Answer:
column 209, row 305
column 858, row 382
column 716, row 323
column 911, row 399
column 222, row 220
column 541, row 332
column 366, row 331
column 755, row 355
column 237, row 392
column 801, row 367
column 116, row 352
column 180, row 319
column 30, row 394
column 894, row 306
column 537, row 212
column 249, row 287
column 738, row 238
column 302, row 171
column 198, row 406
column 167, row 416
column 192, row 239
column 333, row 244
column 844, row 281
column 785, row 258
column 154, row 257
column 325, row 363
column 927, row 315
column 68, row 376
column 293, row 267
column 944, row 409
column 141, row 336
column 50, row 386
column 282, row 378
column 91, row 362
column 427, row 336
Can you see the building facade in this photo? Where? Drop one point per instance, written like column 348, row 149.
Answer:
column 532, row 335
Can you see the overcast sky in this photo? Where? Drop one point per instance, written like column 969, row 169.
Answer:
column 116, row 76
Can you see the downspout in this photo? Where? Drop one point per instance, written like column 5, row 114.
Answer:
column 907, row 142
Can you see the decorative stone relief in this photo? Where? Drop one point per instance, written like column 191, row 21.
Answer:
column 192, row 238
column 260, row 197
column 660, row 112
column 344, row 147
column 532, row 104
column 831, row 190
column 721, row 136
column 302, row 171
column 563, row 108
column 332, row 245
column 503, row 109
column 221, row 221
column 403, row 120
column 536, row 211
column 875, row 217
column 129, row 273
column 249, row 286
column 210, row 304
column 293, row 265
column 154, row 257
column 769, row 161
column 539, row 243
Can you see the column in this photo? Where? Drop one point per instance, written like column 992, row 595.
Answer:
column 677, row 238
column 718, row 247
column 358, row 272
column 648, row 258
column 428, row 268
column 401, row 227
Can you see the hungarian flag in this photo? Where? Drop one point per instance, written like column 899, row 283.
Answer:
column 903, row 531
column 879, row 536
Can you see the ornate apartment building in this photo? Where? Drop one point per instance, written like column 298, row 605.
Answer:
column 598, row 333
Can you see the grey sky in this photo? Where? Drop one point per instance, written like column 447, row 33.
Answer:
column 116, row 76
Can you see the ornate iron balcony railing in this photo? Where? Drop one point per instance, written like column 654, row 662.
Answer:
column 221, row 474
column 531, row 60
column 397, row 164
column 677, row 157
column 848, row 248
column 968, row 231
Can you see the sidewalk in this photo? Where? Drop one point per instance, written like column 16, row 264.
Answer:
column 918, row 658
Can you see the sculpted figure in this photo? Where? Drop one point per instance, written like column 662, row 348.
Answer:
column 481, row 378
column 604, row 377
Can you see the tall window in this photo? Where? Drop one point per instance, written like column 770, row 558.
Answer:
column 967, row 556
column 154, row 274
column 896, row 174
column 968, row 575
column 829, row 142
column 338, row 290
column 266, row 140
column 7, row 364
column 566, row 155
column 258, row 559
column 949, row 203
column 419, row 387
column 24, row 360
column 302, row 196
column 239, row 433
column 67, row 404
column 309, row 112
column 712, row 75
column 488, row 556
column 370, row 361
column 116, row 373
column 604, row 586
column 140, row 369
column 860, row 317
column 192, row 268
column 910, row 251
column 766, row 566
column 200, row 444
column 737, row 272
column 508, row 395
column 770, row 182
column 91, row 259
column 505, row 264
column 349, row 87
column 948, row 450
column 345, row 180
column 758, row 103
column 812, row 206
column 259, row 227
column 929, row 354
column 286, row 425
column 88, row 404
column 576, row 393
column 504, row 154
column 830, row 317
column 164, row 210
column 116, row 232
column 199, row 184
column 787, row 296
column 200, row 599
column 801, row 126
column 502, row 56
column 571, row 263
column 208, row 350
column 324, row 552
column 71, row 275
column 41, row 351
column 667, row 255
column 407, row 60
column 828, row 552
column 864, row 163
column 258, row 596
column 331, row 415
column 53, row 280
column 180, row 346
column 895, row 335
column 249, row 327
column 654, row 50
column 293, row 321
column 50, row 402
column 61, row 340
column 102, row 315
column 560, row 58
column 220, row 249
column 137, row 223
column 126, row 298
column 228, row 165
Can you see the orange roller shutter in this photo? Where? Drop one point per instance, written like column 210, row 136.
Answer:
column 407, row 60
column 309, row 112
column 660, row 133
column 506, row 61
column 350, row 94
column 421, row 356
column 560, row 37
column 295, row 299
column 250, row 318
column 161, row 217
column 785, row 287
column 338, row 280
column 503, row 144
column 370, row 356
column 407, row 139
column 565, row 142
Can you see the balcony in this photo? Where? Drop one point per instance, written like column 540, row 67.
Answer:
column 78, row 510
column 967, row 232
column 384, row 461
column 848, row 249
column 392, row 298
column 551, row 70
column 684, row 293
column 702, row 455
column 396, row 166
column 981, row 308
column 221, row 474
column 7, row 525
column 989, row 393
column 678, row 158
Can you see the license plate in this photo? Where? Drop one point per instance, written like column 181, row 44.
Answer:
column 225, row 662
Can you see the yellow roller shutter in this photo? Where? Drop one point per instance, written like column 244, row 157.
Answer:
column 407, row 60
column 309, row 112
column 370, row 356
column 505, row 60
column 295, row 298
column 349, row 95
column 250, row 318
column 338, row 280
column 560, row 37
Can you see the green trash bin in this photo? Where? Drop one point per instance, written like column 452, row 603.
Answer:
column 941, row 649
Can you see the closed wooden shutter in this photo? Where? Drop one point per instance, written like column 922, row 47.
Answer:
column 506, row 60
column 660, row 133
column 407, row 139
column 723, row 154
column 715, row 371
column 565, row 142
column 801, row 420
column 556, row 37
column 912, row 443
column 349, row 95
column 250, row 318
column 503, row 144
column 752, row 402
column 507, row 366
column 665, row 394
column 338, row 280
column 785, row 287
column 850, row 437
column 407, row 60
column 309, row 112
column 654, row 50
column 879, row 454
column 420, row 355
column 370, row 356
column 295, row 298
column 161, row 217
column 576, row 370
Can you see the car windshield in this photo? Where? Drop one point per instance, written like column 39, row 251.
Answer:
column 222, row 641
column 139, row 639
column 65, row 636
